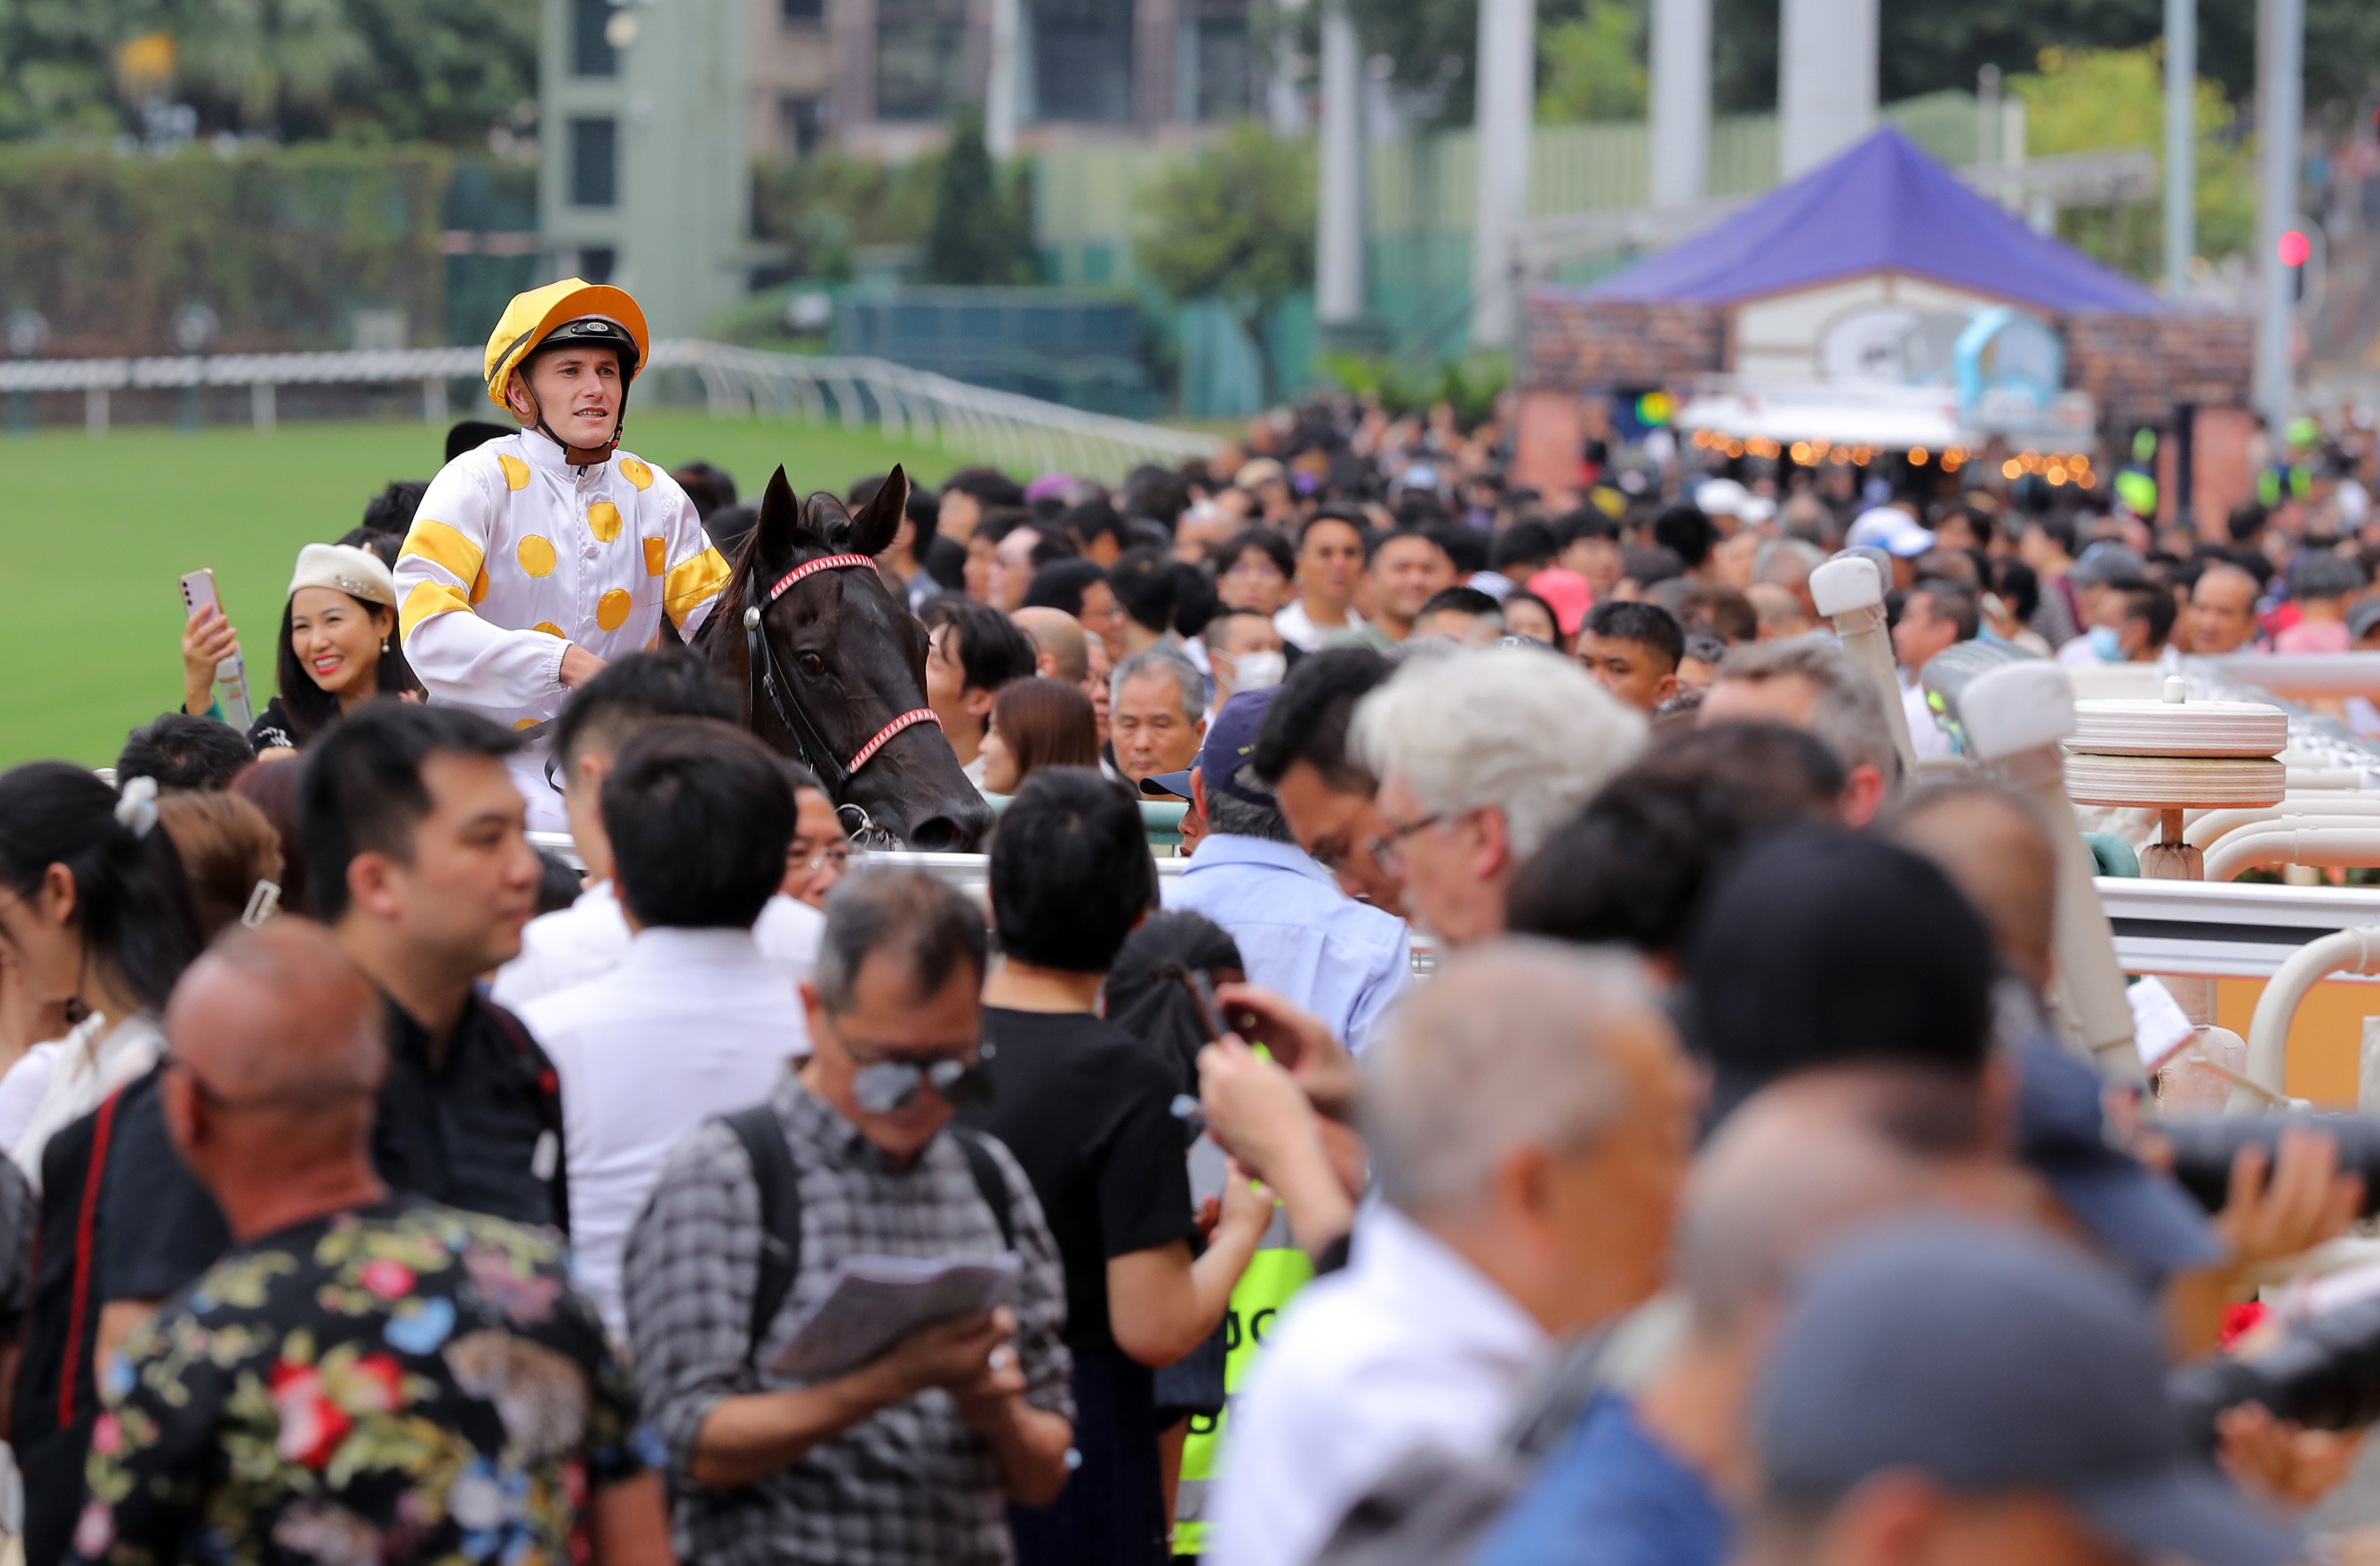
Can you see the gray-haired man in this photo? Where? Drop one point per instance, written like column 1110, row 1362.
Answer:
column 913, row 1457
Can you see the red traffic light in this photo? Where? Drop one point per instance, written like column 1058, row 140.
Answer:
column 2294, row 247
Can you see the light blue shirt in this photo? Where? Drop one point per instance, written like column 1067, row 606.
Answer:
column 1342, row 960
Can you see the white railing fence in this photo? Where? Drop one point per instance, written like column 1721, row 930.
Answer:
column 1020, row 432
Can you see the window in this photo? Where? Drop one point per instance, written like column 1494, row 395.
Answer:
column 594, row 162
column 596, row 262
column 1224, row 71
column 920, row 58
column 590, row 51
column 799, row 119
column 802, row 13
column 1082, row 60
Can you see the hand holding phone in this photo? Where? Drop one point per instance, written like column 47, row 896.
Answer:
column 206, row 634
column 1297, row 1039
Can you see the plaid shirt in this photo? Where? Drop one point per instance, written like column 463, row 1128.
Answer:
column 910, row 1487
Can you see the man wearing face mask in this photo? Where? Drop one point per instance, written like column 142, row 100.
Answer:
column 1244, row 652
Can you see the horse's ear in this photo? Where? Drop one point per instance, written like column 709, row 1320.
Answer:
column 781, row 519
column 873, row 527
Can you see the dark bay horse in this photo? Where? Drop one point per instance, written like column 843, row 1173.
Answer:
column 830, row 666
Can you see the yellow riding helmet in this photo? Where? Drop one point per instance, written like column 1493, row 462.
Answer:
column 571, row 310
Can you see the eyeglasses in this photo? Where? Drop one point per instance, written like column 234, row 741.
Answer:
column 816, row 859
column 884, row 1086
column 1389, row 847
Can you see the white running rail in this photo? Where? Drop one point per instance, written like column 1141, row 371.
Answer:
column 1018, row 431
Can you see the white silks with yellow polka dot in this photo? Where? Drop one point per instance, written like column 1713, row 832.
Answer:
column 514, row 554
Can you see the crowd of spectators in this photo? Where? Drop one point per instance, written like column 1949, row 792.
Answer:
column 381, row 1188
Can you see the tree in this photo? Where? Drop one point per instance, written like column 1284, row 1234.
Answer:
column 1592, row 66
column 982, row 231
column 1234, row 225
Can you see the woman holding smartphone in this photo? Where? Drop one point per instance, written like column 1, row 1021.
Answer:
column 337, row 649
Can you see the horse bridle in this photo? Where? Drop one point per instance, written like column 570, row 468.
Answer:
column 832, row 770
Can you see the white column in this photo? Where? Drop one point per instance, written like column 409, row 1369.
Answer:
column 1000, row 114
column 1682, row 101
column 2181, row 143
column 1826, row 79
column 1284, row 104
column 2280, row 87
column 1339, row 238
column 1506, row 107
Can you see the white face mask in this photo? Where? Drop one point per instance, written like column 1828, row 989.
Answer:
column 1258, row 671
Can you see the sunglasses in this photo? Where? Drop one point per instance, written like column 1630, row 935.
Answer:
column 884, row 1087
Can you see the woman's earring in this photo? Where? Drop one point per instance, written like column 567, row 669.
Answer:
column 385, row 647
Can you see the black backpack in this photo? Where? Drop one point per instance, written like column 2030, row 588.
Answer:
column 781, row 1207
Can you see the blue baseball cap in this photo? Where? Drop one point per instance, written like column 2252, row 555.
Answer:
column 2140, row 1215
column 1990, row 1358
column 1230, row 740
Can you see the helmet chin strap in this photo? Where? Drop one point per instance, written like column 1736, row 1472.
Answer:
column 570, row 454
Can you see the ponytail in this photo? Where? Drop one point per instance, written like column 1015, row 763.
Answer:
column 132, row 901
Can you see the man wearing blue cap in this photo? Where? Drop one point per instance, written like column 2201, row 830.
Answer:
column 1334, row 957
column 1953, row 1390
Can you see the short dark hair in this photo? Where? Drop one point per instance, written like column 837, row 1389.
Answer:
column 362, row 792
column 1687, row 533
column 1158, row 493
column 2146, row 601
column 632, row 691
column 2060, row 527
column 1461, row 601
column 924, row 510
column 1586, row 522
column 1091, row 518
column 1720, row 611
column 1269, row 542
column 992, row 652
column 1467, row 547
column 1061, row 584
column 1070, row 871
column 1633, row 865
column 1344, row 517
column 1954, row 601
column 707, row 485
column 558, row 882
column 989, row 486
column 908, row 914
column 182, row 752
column 1144, row 581
column 1307, row 721
column 1525, row 543
column 1375, row 543
column 390, row 512
column 700, row 816
column 1648, row 624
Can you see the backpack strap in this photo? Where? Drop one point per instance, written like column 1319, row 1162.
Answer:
column 79, row 1315
column 781, row 1215
column 989, row 1182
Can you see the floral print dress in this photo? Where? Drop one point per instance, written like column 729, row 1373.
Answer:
column 403, row 1382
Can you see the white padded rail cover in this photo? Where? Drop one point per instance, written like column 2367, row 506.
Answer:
column 2179, row 728
column 2174, row 782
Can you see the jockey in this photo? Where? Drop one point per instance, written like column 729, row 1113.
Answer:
column 538, row 556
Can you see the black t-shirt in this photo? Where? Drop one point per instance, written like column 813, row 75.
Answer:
column 158, row 1227
column 1088, row 1111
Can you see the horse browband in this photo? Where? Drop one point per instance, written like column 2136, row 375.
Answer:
column 796, row 723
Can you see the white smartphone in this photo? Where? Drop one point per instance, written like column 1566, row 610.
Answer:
column 231, row 674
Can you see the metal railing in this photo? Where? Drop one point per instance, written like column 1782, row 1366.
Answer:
column 1018, row 431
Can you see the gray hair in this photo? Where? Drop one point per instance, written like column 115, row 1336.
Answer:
column 1786, row 562
column 1510, row 1046
column 1513, row 728
column 1849, row 714
column 1230, row 815
column 1189, row 685
column 928, row 926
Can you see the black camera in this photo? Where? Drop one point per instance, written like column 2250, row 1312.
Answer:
column 2325, row 1376
column 2203, row 1150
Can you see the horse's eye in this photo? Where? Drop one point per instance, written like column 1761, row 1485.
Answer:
column 810, row 662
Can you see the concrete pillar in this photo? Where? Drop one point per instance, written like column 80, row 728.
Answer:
column 685, row 196
column 1339, row 210
column 2280, row 94
column 1506, row 108
column 1682, row 101
column 2181, row 143
column 1284, row 101
column 1826, row 80
column 1000, row 96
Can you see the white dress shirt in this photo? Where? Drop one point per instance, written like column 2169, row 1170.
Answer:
column 1927, row 735
column 1410, row 1347
column 1297, row 627
column 691, row 1024
column 588, row 939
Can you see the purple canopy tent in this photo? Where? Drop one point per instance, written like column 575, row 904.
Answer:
column 1883, row 206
